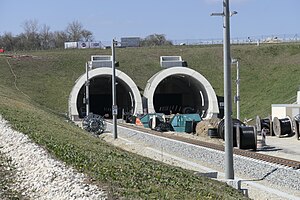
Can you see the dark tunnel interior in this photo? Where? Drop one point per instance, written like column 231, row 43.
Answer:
column 100, row 90
column 180, row 94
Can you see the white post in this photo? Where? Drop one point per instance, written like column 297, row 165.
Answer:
column 114, row 96
column 87, row 94
column 237, row 100
column 237, row 90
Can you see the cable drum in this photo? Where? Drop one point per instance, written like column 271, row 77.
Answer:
column 296, row 122
column 235, row 123
column 282, row 126
column 213, row 133
column 94, row 123
column 247, row 137
column 262, row 123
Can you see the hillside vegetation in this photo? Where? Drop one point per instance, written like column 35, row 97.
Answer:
column 34, row 90
column 268, row 72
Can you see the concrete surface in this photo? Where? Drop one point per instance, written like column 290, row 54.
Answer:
column 285, row 147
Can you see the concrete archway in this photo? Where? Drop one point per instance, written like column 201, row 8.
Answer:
column 181, row 90
column 128, row 95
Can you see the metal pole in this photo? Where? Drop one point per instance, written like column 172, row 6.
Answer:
column 229, row 173
column 113, row 80
column 236, row 100
column 87, row 94
column 237, row 90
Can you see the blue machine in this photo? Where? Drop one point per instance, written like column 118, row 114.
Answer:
column 185, row 122
column 146, row 118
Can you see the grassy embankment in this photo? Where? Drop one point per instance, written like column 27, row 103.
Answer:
column 269, row 75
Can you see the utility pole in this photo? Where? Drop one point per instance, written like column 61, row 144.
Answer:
column 229, row 172
column 114, row 96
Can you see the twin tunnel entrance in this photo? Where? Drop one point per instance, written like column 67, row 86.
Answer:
column 172, row 90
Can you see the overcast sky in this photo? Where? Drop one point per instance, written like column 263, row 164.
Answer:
column 187, row 19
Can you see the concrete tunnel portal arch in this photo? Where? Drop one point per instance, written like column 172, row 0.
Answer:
column 100, row 90
column 181, row 90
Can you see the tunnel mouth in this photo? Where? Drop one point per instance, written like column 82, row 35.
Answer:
column 100, row 97
column 180, row 93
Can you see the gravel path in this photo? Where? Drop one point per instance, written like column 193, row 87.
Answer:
column 40, row 176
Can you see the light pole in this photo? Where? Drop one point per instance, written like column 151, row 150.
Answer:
column 237, row 101
column 229, row 172
column 87, row 95
column 114, row 96
column 237, row 97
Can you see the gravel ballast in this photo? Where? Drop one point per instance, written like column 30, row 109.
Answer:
column 38, row 175
column 277, row 176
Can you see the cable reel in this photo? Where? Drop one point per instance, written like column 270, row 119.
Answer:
column 94, row 123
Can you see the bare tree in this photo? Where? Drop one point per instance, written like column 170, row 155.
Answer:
column 31, row 33
column 155, row 40
column 40, row 37
column 7, row 41
column 30, row 26
column 21, row 42
column 45, row 37
column 60, row 37
column 74, row 31
column 87, row 35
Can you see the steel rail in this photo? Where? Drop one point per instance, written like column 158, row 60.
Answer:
column 246, row 153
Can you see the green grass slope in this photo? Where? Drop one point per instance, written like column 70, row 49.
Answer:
column 268, row 72
column 121, row 173
column 34, row 92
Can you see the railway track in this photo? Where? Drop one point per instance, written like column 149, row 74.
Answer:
column 246, row 153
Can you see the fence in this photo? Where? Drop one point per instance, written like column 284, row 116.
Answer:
column 279, row 38
column 274, row 38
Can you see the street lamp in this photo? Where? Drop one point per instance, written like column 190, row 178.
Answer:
column 229, row 172
column 233, row 13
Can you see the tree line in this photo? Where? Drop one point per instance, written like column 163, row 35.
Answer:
column 36, row 37
column 40, row 37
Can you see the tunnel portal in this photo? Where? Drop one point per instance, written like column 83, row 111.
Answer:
column 180, row 94
column 100, row 94
column 181, row 90
column 172, row 90
column 100, row 90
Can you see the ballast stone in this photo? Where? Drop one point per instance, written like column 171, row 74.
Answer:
column 40, row 176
